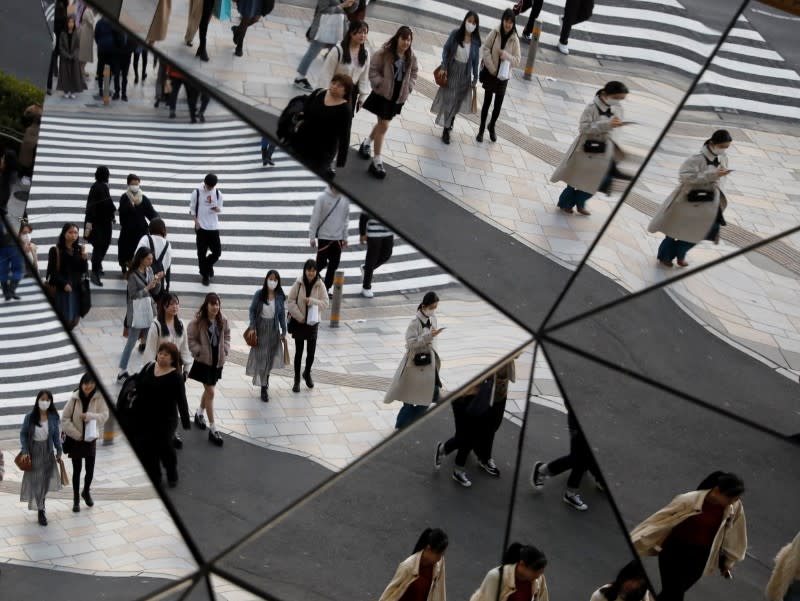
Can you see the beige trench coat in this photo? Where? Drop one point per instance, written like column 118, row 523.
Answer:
column 488, row 588
column 160, row 23
column 731, row 538
column 414, row 384
column 381, row 75
column 586, row 171
column 787, row 570
column 678, row 218
column 407, row 572
column 71, row 416
column 86, row 33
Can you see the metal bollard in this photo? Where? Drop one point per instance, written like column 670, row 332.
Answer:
column 108, row 430
column 336, row 304
column 536, row 34
column 106, row 84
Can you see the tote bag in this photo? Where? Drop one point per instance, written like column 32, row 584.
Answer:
column 331, row 28
column 142, row 312
column 90, row 432
column 504, row 71
column 222, row 10
column 313, row 315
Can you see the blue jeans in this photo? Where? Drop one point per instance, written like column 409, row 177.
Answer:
column 133, row 338
column 11, row 264
column 408, row 414
column 672, row 248
column 571, row 197
column 314, row 48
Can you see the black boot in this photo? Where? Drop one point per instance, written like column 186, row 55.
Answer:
column 42, row 518
column 492, row 135
column 76, row 503
column 87, row 497
column 201, row 53
column 307, row 378
column 12, row 290
column 265, row 394
column 95, row 279
column 6, row 291
column 479, row 137
column 296, row 387
column 446, row 135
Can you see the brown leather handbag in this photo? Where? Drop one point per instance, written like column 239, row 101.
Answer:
column 23, row 462
column 251, row 337
column 440, row 77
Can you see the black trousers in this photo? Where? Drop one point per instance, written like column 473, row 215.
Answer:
column 329, row 252
column 579, row 461
column 76, row 475
column 467, row 433
column 487, row 102
column 155, row 449
column 575, row 11
column 205, row 19
column 680, row 566
column 101, row 239
column 379, row 250
column 488, row 424
column 535, row 12
column 54, row 58
column 207, row 241
column 123, row 66
column 105, row 57
column 309, row 339
column 136, row 55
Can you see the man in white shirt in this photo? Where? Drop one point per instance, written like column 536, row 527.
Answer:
column 328, row 231
column 205, row 206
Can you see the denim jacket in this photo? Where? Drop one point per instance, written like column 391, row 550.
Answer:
column 280, row 311
column 449, row 51
column 54, row 433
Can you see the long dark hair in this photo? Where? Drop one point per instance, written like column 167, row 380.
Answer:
column 278, row 289
column 631, row 571
column 62, row 237
column 309, row 264
column 434, row 538
column 35, row 421
column 532, row 556
column 461, row 33
column 508, row 14
column 427, row 300
column 403, row 32
column 729, row 484
column 101, row 174
column 141, row 255
column 355, row 27
column 163, row 303
column 202, row 312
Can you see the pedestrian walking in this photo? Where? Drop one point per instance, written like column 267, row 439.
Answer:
column 500, row 53
column 416, row 382
column 210, row 344
column 135, row 213
column 39, row 438
column 575, row 11
column 143, row 283
column 139, row 55
column 124, row 46
column 70, row 73
column 421, row 576
column 67, row 263
column 32, row 120
column 205, row 206
column 250, row 12
column 336, row 9
column 629, row 585
column 349, row 57
column 784, row 583
column 160, row 23
column 491, row 417
column 380, row 244
column 459, row 67
column 520, row 577
column 98, row 221
column 156, row 240
column 694, row 210
column 578, row 461
column 11, row 262
column 29, row 248
column 86, row 405
column 267, row 149
column 697, row 534
column 306, row 301
column 197, row 8
column 176, row 79
column 330, row 221
column 467, row 411
column 357, row 11
column 160, row 399
column 59, row 27
column 86, row 35
column 590, row 162
column 393, row 76
column 268, row 322
column 106, row 39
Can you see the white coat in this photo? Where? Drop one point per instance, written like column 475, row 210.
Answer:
column 488, row 588
column 787, row 570
column 407, row 572
column 72, row 414
column 358, row 73
column 414, row 384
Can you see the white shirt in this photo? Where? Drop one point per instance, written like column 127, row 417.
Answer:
column 268, row 310
column 41, row 431
column 201, row 203
column 158, row 244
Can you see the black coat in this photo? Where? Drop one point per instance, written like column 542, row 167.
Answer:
column 133, row 222
column 100, row 208
column 66, row 268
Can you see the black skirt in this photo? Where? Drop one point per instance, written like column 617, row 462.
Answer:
column 82, row 449
column 205, row 374
column 383, row 107
column 492, row 84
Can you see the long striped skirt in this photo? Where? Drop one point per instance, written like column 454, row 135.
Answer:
column 43, row 478
column 267, row 354
column 455, row 97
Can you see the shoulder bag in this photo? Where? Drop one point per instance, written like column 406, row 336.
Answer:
column 292, row 325
column 23, row 462
column 85, row 295
column 65, row 481
column 701, row 195
column 423, row 358
column 67, row 442
column 49, row 287
column 594, row 146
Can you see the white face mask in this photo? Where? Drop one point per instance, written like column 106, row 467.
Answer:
column 720, row 152
column 44, row 405
column 470, row 27
column 430, row 312
column 272, row 284
column 26, row 238
column 133, row 188
column 613, row 101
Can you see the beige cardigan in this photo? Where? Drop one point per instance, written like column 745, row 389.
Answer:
column 488, row 589
column 407, row 572
column 787, row 570
column 490, row 51
column 71, row 416
column 731, row 538
column 200, row 344
column 296, row 299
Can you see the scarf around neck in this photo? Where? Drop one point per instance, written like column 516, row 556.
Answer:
column 136, row 199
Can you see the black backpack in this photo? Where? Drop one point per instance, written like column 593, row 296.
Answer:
column 291, row 119
column 158, row 263
column 126, row 400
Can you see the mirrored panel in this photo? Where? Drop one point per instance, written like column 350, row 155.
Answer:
column 225, row 590
column 659, row 451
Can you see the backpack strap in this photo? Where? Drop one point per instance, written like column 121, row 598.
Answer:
column 152, row 246
column 163, row 252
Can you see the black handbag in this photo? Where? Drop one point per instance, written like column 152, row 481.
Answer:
column 701, row 195
column 85, row 294
column 594, row 146
column 291, row 327
column 421, row 359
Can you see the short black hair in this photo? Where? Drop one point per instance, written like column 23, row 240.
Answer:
column 210, row 180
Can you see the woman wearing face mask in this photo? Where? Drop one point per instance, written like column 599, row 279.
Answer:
column 416, row 382
column 693, row 212
column 421, row 577
column 85, row 404
column 520, row 577
column 29, row 248
column 589, row 164
column 142, row 283
column 393, row 75
column 307, row 292
column 350, row 57
column 460, row 58
column 39, row 436
column 210, row 343
column 67, row 262
column 697, row 534
column 135, row 212
column 502, row 45
column 268, row 320
column 630, row 585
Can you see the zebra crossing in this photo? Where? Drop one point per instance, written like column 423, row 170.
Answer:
column 264, row 224
column 35, row 354
column 746, row 76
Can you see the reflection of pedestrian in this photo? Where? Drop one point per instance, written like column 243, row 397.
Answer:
column 578, row 461
column 697, row 534
column 306, row 302
column 492, row 418
column 98, row 221
column 422, row 575
column 630, row 585
column 160, row 22
column 205, row 207
column 784, row 584
column 684, row 222
column 328, row 227
column 380, row 244
column 324, row 7
column 59, row 26
column 520, row 577
column 250, row 11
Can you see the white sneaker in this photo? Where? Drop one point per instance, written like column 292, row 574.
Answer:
column 361, row 267
column 367, row 293
column 563, row 48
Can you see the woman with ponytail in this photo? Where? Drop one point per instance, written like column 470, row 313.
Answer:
column 630, row 585
column 520, row 577
column 697, row 534
column 693, row 212
column 421, row 576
